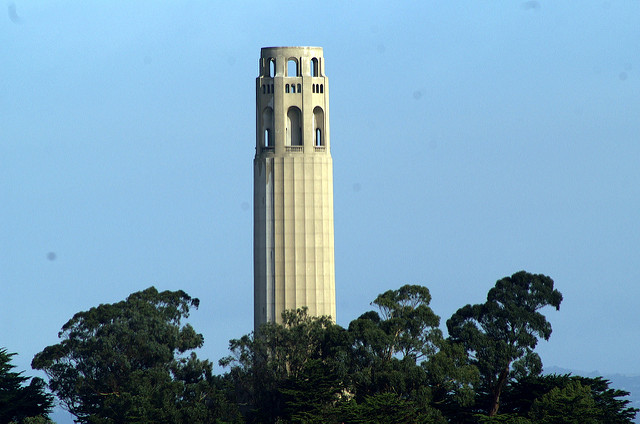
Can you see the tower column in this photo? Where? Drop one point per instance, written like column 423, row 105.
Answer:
column 293, row 186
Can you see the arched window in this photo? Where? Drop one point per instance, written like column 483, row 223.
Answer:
column 318, row 126
column 267, row 125
column 271, row 88
column 314, row 67
column 286, row 88
column 272, row 67
column 313, row 88
column 299, row 88
column 293, row 88
column 294, row 127
column 322, row 88
column 292, row 68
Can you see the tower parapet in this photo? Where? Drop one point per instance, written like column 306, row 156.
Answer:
column 293, row 186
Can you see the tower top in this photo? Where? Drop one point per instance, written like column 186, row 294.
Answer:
column 307, row 60
column 290, row 49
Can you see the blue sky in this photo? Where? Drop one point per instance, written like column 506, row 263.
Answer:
column 470, row 140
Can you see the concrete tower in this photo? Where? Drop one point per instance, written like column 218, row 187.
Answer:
column 293, row 186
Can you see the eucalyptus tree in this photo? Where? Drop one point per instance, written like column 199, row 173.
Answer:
column 293, row 371
column 129, row 362
column 501, row 333
column 399, row 349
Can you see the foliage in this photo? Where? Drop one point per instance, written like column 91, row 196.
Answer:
column 451, row 379
column 571, row 404
column 503, row 419
column 19, row 402
column 505, row 329
column 388, row 344
column 294, row 370
column 34, row 420
column 609, row 405
column 388, row 408
column 407, row 326
column 399, row 350
column 124, row 362
column 130, row 362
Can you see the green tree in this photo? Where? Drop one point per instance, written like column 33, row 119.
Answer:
column 20, row 401
column 404, row 326
column 388, row 408
column 503, row 419
column 501, row 333
column 611, row 406
column 451, row 378
column 389, row 343
column 294, row 371
column 571, row 404
column 126, row 362
column 399, row 349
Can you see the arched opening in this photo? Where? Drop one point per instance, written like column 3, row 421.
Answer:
column 313, row 88
column 267, row 125
column 318, row 127
column 292, row 67
column 272, row 67
column 299, row 88
column 322, row 88
column 286, row 88
column 294, row 127
column 293, row 88
column 314, row 67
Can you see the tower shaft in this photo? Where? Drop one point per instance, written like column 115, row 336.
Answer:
column 293, row 186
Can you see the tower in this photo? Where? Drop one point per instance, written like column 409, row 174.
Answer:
column 293, row 186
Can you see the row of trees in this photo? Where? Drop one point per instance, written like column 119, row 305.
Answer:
column 133, row 361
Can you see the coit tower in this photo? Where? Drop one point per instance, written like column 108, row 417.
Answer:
column 293, row 186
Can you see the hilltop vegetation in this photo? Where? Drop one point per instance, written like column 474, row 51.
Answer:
column 134, row 361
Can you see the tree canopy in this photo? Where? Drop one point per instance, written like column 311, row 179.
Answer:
column 125, row 362
column 294, row 370
column 505, row 329
column 133, row 361
column 19, row 400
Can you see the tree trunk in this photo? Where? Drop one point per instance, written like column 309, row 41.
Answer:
column 497, row 390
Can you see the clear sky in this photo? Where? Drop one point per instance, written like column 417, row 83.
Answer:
column 470, row 140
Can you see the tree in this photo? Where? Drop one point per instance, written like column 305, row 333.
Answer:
column 505, row 329
column 571, row 404
column 125, row 362
column 609, row 405
column 388, row 408
column 399, row 350
column 451, row 379
column 290, row 371
column 404, row 326
column 17, row 400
